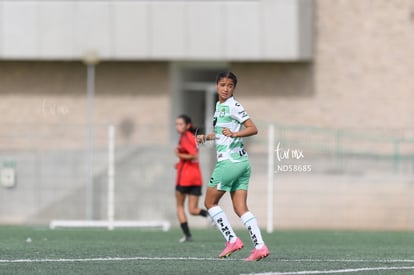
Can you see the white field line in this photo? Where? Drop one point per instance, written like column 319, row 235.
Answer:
column 349, row 260
column 332, row 271
column 120, row 259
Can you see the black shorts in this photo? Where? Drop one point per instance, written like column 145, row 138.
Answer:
column 190, row 190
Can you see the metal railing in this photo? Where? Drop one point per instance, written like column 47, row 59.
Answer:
column 392, row 148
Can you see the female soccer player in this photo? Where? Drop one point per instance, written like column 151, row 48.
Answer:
column 189, row 180
column 232, row 171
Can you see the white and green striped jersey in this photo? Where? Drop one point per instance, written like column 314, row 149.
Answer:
column 229, row 114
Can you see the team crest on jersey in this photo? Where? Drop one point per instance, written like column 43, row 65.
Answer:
column 222, row 112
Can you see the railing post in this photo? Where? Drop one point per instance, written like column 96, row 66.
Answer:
column 270, row 177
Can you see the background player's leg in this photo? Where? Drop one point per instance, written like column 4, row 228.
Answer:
column 193, row 206
column 180, row 199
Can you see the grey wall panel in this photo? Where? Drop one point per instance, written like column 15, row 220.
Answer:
column 157, row 30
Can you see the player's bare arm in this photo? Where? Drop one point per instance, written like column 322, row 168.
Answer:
column 249, row 129
column 203, row 138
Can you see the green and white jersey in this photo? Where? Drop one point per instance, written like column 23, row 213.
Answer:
column 229, row 114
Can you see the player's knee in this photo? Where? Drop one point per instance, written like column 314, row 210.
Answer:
column 194, row 211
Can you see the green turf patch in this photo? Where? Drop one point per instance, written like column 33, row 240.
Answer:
column 28, row 250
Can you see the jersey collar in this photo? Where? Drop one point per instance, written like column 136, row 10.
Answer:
column 229, row 100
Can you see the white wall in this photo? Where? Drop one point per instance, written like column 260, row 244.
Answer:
column 276, row 30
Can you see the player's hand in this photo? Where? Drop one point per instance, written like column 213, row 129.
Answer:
column 177, row 152
column 200, row 139
column 227, row 132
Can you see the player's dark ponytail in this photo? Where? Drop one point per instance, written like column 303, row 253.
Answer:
column 188, row 121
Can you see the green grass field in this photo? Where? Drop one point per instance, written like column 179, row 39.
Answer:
column 92, row 251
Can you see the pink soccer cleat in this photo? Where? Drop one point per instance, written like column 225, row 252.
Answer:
column 231, row 248
column 258, row 254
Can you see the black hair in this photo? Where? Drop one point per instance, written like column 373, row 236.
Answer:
column 187, row 121
column 227, row 74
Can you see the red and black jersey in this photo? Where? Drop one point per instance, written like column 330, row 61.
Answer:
column 188, row 171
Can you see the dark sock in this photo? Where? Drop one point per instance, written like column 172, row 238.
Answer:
column 186, row 229
column 203, row 213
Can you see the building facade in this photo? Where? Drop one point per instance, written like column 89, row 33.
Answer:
column 321, row 63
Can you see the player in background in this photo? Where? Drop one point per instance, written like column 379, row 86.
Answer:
column 232, row 171
column 188, row 180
